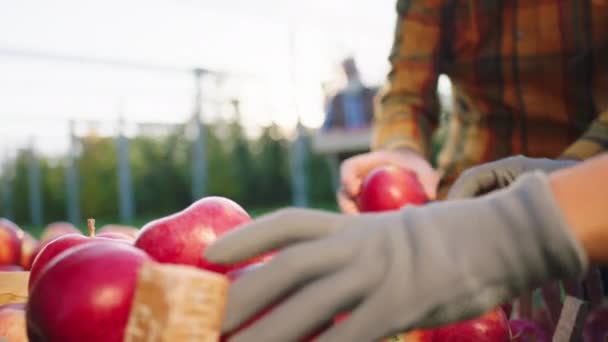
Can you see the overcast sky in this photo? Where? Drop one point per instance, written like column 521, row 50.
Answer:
column 248, row 38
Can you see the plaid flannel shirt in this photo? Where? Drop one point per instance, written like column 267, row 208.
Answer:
column 529, row 77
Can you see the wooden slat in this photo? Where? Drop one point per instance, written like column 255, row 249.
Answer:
column 13, row 287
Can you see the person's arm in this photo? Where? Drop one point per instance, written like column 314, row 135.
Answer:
column 420, row 267
column 582, row 194
column 407, row 106
column 593, row 142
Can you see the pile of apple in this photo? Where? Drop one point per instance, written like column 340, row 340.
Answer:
column 81, row 287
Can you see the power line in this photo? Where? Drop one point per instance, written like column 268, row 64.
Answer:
column 29, row 54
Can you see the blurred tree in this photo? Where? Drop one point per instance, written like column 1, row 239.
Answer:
column 242, row 167
column 272, row 183
column 98, row 181
column 160, row 174
column 253, row 172
column 320, row 185
column 53, row 189
column 222, row 181
column 21, row 209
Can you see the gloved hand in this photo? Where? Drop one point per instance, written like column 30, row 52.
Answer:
column 419, row 267
column 499, row 174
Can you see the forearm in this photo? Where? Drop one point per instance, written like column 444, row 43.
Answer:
column 582, row 195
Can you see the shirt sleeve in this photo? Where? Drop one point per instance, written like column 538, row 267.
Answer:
column 407, row 107
column 593, row 142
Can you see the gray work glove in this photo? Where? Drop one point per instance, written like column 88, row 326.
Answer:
column 499, row 174
column 419, row 267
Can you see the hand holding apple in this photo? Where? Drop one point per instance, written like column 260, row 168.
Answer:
column 390, row 188
column 355, row 169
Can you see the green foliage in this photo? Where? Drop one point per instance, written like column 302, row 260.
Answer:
column 253, row 172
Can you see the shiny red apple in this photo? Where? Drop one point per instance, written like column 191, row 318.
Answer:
column 491, row 327
column 116, row 228
column 56, row 229
column 12, row 323
column 28, row 247
column 85, row 294
column 114, row 235
column 596, row 326
column 10, row 245
column 527, row 331
column 390, row 188
column 183, row 237
column 50, row 249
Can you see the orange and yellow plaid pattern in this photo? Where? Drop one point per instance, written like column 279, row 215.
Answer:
column 529, row 77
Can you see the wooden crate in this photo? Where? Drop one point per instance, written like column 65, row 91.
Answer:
column 13, row 287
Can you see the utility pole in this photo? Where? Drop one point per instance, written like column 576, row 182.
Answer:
column 299, row 162
column 125, row 186
column 199, row 149
column 71, row 179
column 35, row 187
column 299, row 177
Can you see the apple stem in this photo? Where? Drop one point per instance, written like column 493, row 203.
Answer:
column 91, row 224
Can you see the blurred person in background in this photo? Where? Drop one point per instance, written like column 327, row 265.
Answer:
column 352, row 107
column 528, row 77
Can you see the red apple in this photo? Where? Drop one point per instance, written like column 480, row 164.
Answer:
column 56, row 229
column 11, row 268
column 10, row 245
column 183, row 237
column 28, row 247
column 491, row 327
column 50, row 249
column 390, row 188
column 527, row 331
column 115, row 228
column 85, row 294
column 12, row 324
column 596, row 326
column 118, row 236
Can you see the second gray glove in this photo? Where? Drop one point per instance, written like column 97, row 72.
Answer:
column 499, row 174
